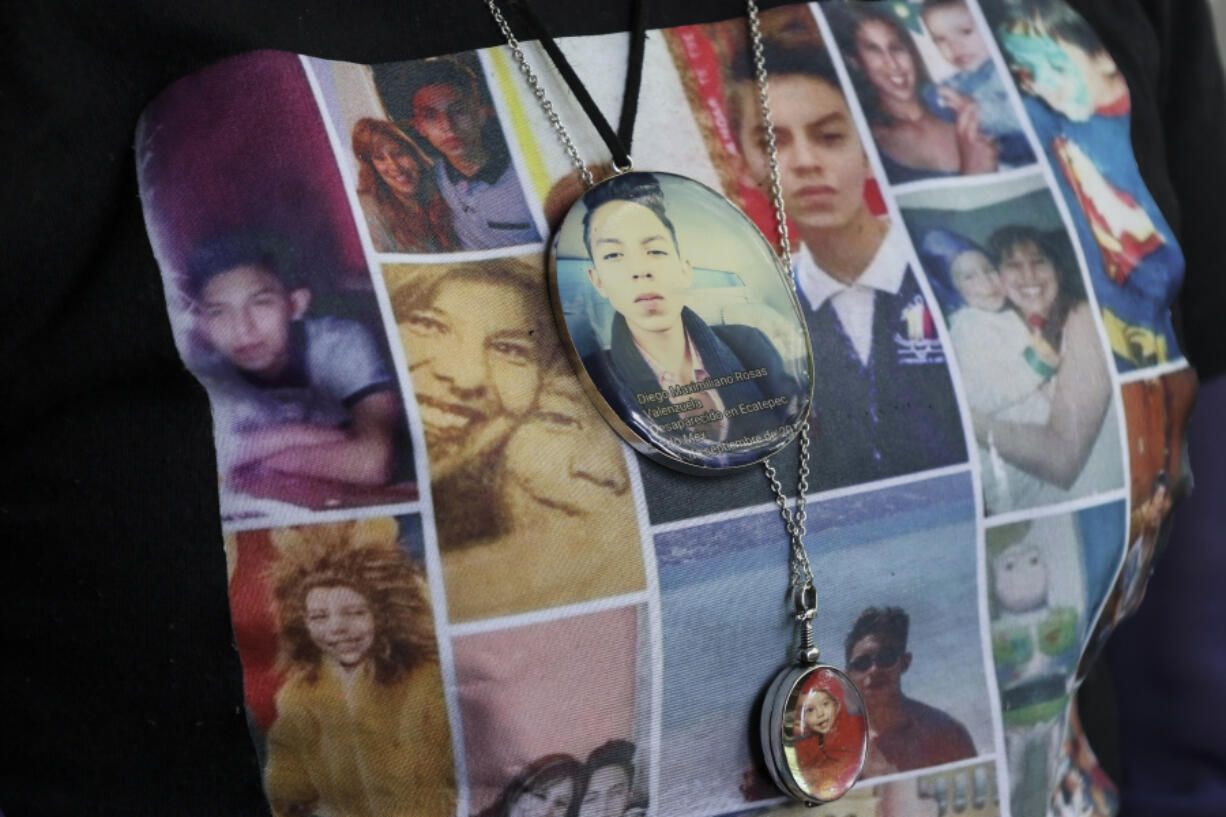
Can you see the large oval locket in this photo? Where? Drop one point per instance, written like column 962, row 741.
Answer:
column 814, row 731
column 681, row 322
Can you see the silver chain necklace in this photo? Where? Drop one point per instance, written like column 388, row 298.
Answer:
column 794, row 518
column 790, row 688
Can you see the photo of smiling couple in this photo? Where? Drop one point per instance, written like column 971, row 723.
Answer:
column 682, row 319
column 515, row 448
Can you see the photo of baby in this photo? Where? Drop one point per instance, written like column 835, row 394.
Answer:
column 682, row 320
column 1025, row 341
column 934, row 99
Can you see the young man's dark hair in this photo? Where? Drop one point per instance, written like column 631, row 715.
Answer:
column 612, row 753
column 637, row 188
column 889, row 623
column 233, row 250
column 399, row 82
column 781, row 60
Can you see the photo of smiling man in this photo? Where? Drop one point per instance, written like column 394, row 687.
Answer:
column 700, row 359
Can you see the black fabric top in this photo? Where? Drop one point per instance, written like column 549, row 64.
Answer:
column 119, row 688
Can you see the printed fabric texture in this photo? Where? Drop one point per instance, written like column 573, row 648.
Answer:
column 455, row 590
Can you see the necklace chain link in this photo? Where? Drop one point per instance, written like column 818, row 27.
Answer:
column 537, row 91
column 795, row 517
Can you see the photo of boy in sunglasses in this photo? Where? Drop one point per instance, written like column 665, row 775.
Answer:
column 903, row 733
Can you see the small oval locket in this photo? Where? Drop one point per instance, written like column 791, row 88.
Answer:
column 814, row 731
column 681, row 322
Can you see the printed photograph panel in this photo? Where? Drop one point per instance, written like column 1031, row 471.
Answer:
column 1156, row 410
column 933, row 96
column 883, row 399
column 530, row 487
column 425, row 155
column 914, row 654
column 1047, row 579
column 1080, row 106
column 526, row 755
column 1022, row 331
column 269, row 296
column 340, row 667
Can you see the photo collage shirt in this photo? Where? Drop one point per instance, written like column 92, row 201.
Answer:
column 456, row 591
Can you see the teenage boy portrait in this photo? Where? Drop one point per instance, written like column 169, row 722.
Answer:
column 883, row 402
column 903, row 733
column 658, row 343
column 473, row 169
column 294, row 395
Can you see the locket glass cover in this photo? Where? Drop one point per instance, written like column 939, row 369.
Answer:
column 681, row 322
column 814, row 731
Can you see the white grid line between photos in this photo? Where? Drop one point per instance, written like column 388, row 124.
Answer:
column 1154, row 372
column 811, row 499
column 546, row 615
column 655, row 623
column 457, row 257
column 308, row 517
column 1070, row 507
column 952, row 183
column 899, row 777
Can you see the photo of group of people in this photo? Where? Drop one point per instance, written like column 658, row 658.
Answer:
column 272, row 304
column 916, row 661
column 524, row 758
column 430, row 165
column 679, row 314
column 560, row 785
column 341, row 670
column 518, row 454
column 1079, row 105
column 1023, row 335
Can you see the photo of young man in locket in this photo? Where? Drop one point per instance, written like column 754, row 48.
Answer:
column 682, row 320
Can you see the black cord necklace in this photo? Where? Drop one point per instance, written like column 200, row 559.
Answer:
column 618, row 141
